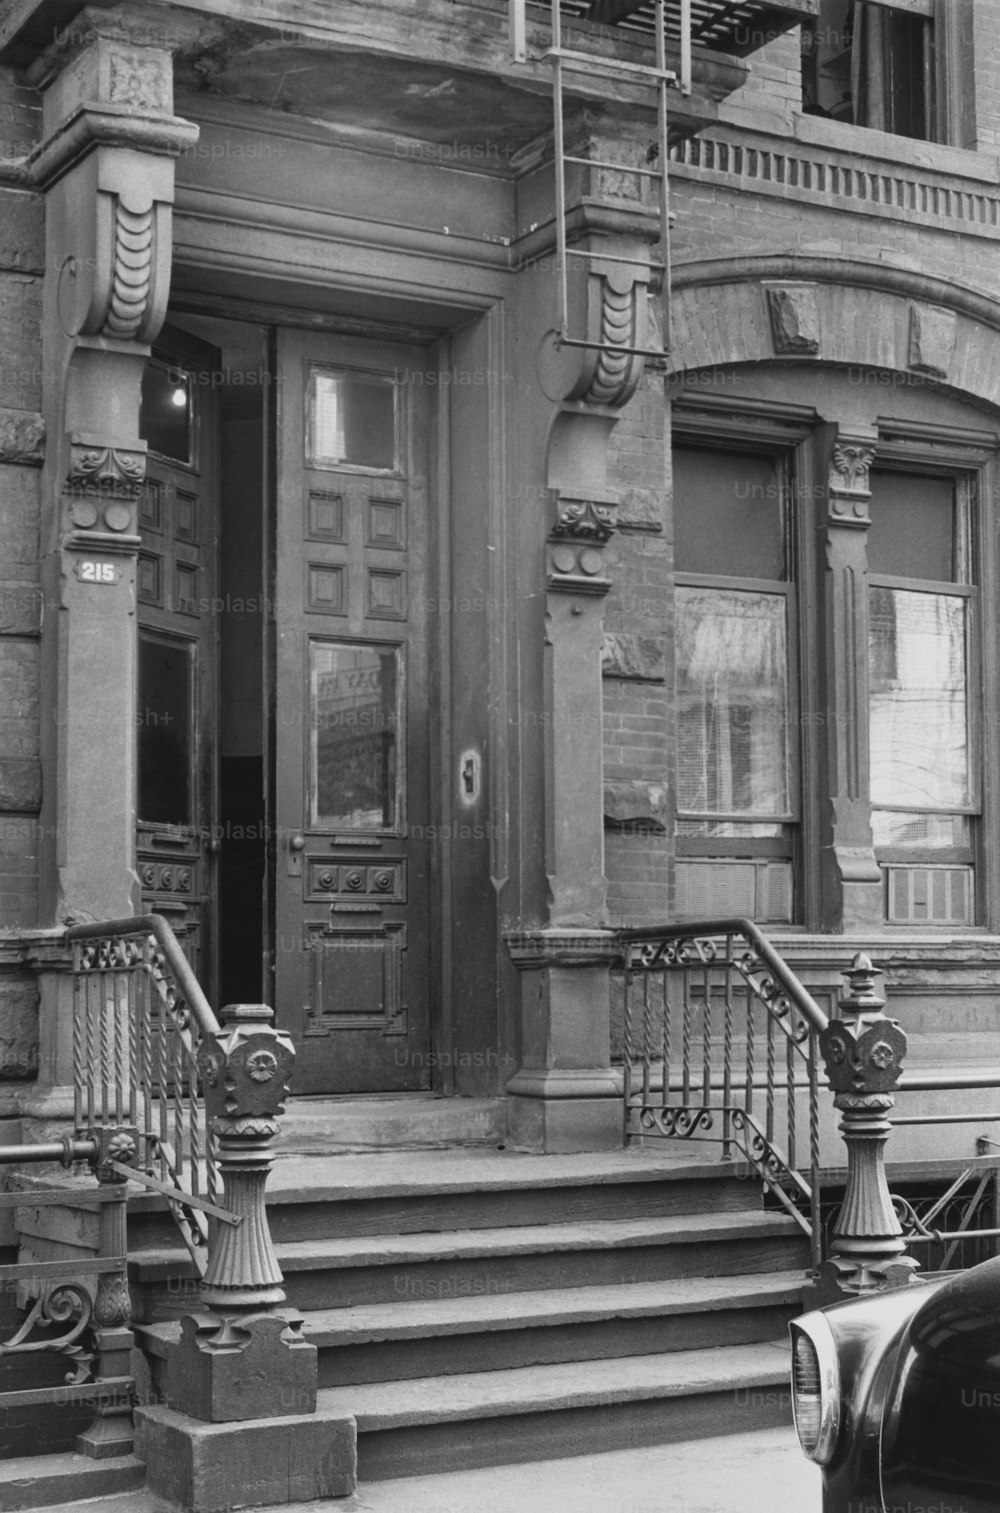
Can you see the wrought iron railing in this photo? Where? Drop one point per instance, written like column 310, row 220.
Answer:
column 86, row 1323
column 139, row 1019
column 720, row 1043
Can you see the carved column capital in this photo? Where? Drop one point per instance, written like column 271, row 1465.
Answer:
column 851, row 458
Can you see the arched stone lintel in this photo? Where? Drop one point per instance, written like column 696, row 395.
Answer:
column 837, row 313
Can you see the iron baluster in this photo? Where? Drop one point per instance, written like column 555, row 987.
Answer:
column 769, row 1077
column 665, row 1036
column 791, row 1116
column 627, row 1037
column 750, row 1052
column 686, row 1041
column 706, row 1041
column 727, row 1055
column 647, row 1040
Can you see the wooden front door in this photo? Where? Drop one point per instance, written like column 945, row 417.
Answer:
column 353, row 713
column 177, row 654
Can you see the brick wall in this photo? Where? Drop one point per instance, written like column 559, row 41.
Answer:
column 637, row 681
column 716, row 220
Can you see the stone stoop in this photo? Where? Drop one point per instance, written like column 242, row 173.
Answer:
column 477, row 1307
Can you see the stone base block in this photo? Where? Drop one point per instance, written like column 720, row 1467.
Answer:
column 560, row 1125
column 251, row 1367
column 212, row 1468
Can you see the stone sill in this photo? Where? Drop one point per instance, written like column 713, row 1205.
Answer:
column 863, row 141
column 926, row 949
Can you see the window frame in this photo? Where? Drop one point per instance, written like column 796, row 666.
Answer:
column 944, row 453
column 948, row 72
column 783, row 433
column 971, row 458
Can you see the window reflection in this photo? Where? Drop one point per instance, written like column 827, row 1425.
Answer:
column 732, row 687
column 352, row 420
column 354, row 696
column 919, row 738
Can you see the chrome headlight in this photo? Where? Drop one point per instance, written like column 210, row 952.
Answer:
column 815, row 1387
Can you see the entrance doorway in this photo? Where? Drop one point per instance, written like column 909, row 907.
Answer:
column 301, row 665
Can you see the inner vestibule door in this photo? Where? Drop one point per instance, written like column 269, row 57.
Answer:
column 352, row 712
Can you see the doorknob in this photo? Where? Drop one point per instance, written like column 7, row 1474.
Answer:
column 296, row 846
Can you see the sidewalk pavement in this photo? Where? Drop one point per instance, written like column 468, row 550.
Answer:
column 760, row 1472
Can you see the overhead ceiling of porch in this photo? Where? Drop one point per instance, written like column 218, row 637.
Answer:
column 372, row 92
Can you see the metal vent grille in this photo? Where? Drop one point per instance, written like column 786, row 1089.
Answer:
column 761, row 890
column 930, row 895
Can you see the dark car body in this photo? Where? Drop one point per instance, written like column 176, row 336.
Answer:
column 897, row 1397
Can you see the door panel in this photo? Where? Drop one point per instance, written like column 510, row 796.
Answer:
column 177, row 679
column 352, row 713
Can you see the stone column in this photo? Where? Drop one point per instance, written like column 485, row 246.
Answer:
column 863, row 1053
column 106, row 166
column 852, row 878
column 566, row 1096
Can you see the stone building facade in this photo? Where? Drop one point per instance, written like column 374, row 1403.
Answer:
column 370, row 634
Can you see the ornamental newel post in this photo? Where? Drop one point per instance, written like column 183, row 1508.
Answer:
column 243, row 1357
column 863, row 1052
column 110, row 1434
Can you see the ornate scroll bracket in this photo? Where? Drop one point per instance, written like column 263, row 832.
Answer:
column 608, row 371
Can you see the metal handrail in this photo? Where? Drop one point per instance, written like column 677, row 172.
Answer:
column 139, row 1017
column 800, row 996
column 740, row 1104
column 159, row 928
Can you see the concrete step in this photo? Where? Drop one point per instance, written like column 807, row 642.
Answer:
column 39, row 1481
column 456, row 1334
column 408, row 1192
column 376, row 1269
column 531, row 1413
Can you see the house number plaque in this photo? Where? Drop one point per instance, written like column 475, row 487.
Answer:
column 89, row 571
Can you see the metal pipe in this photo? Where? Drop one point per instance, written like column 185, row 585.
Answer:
column 66, row 1151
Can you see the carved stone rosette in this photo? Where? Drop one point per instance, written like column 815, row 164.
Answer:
column 863, row 1053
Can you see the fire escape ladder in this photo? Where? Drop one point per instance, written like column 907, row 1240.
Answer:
column 658, row 78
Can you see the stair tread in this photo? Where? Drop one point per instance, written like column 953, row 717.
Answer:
column 467, row 1169
column 573, row 1384
column 528, row 1239
column 487, row 1312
